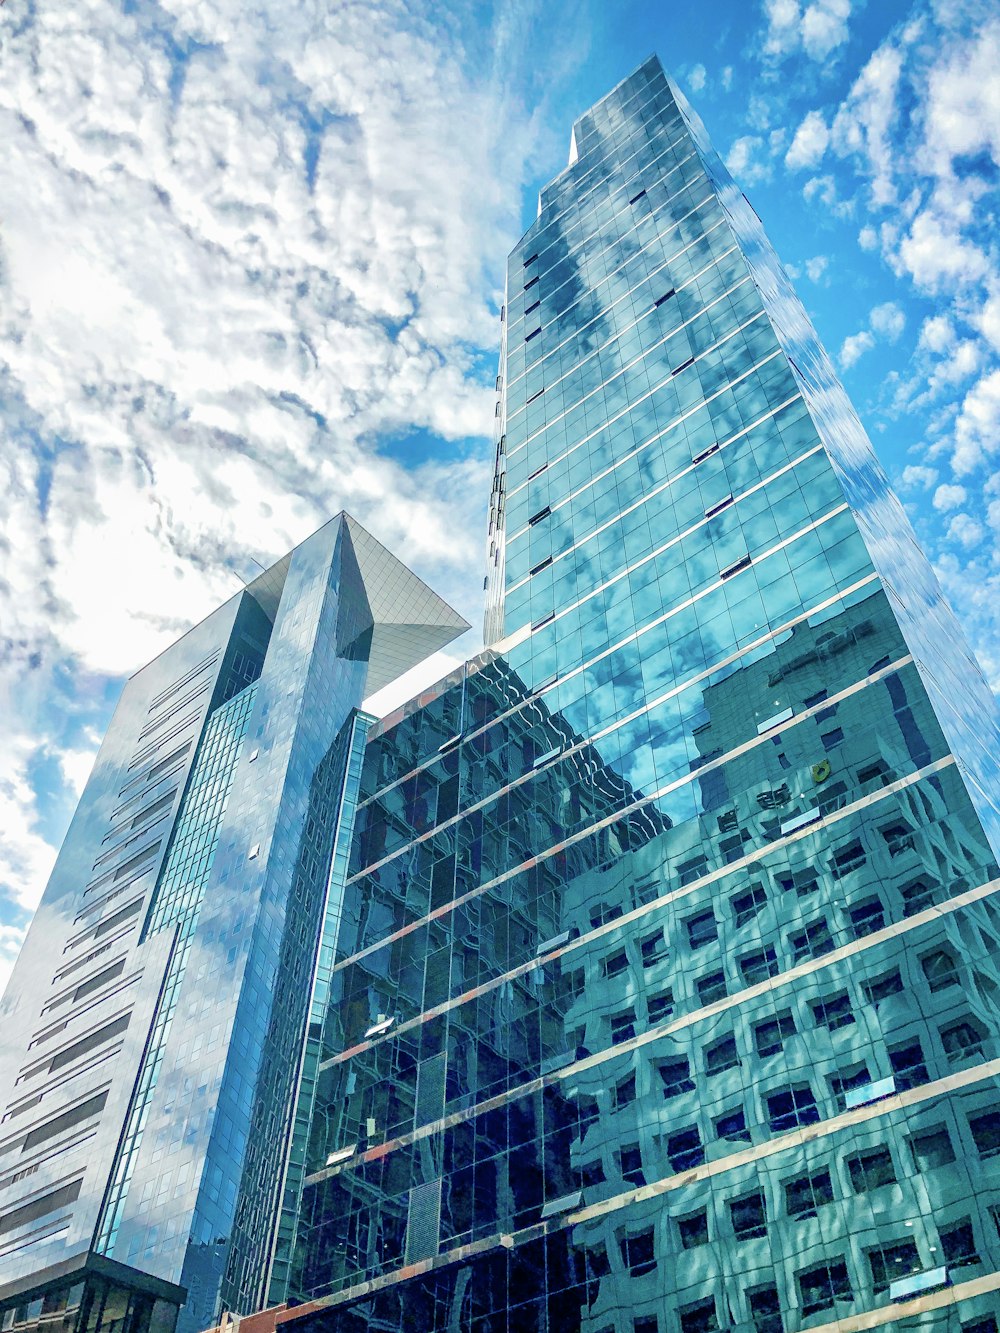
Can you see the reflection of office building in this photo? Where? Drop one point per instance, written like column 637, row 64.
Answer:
column 151, row 1033
column 656, row 984
column 664, row 994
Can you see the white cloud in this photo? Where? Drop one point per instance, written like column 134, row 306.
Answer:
column 864, row 123
column 818, row 28
column 977, row 427
column 696, row 78
column 965, row 530
column 727, row 77
column 854, row 347
column 810, row 142
column 888, row 321
column 816, row 267
column 916, row 475
column 868, row 238
column 745, row 162
column 949, row 496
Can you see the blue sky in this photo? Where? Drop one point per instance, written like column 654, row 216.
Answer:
column 251, row 261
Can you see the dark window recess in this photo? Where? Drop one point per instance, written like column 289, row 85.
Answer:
column 733, row 1126
column 791, row 1107
column 805, row 1195
column 803, row 882
column 542, row 564
column 592, row 1173
column 95, row 983
column 812, row 942
column 875, row 773
column 646, row 1324
column 624, row 1092
column 537, row 518
column 630, row 1164
column 605, row 912
column 712, row 987
column 769, row 1037
column 684, row 1149
column 66, row 1120
column 639, row 1253
column 727, row 822
column 749, row 1216
column 616, row 964
column 918, row 896
column 659, row 301
column 534, row 306
column 757, row 967
column 694, row 1229
column 736, row 566
column 891, row 1262
column 545, row 620
column 765, row 1310
column 683, row 366
column 820, row 1287
column 940, row 969
column 842, row 1083
column 118, row 919
column 898, row 838
column 908, row 1066
column 689, row 871
column 537, row 394
column 831, row 739
column 701, row 929
column 532, row 282
column 962, row 1041
column 867, row 917
column 537, row 472
column 48, row 1203
column 833, row 1012
column 747, row 905
column 699, row 1317
column 531, row 259
column 958, row 1244
column 676, row 1076
column 622, row 1027
column 134, row 864
column 89, row 1043
column 880, row 988
column 636, row 197
column 653, row 949
column 869, row 1170
column 847, row 859
column 533, row 334
column 987, row 1325
column 721, row 1055
column 932, row 1149
column 660, row 1006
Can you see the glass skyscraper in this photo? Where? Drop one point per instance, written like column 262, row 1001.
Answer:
column 652, row 982
column 151, row 1034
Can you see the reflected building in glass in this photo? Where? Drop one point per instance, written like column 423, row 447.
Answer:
column 663, row 992
column 152, row 1031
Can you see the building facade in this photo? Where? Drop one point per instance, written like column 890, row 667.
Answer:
column 152, row 1031
column 664, row 994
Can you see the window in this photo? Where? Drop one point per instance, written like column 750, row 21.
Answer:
column 958, row 1244
column 700, row 1317
column 867, row 917
column 847, row 859
column 791, row 1107
column 831, row 739
column 689, row 871
column 880, row 988
column 986, row 1133
column 765, row 1310
column 819, row 1287
column 701, row 929
column 918, row 896
column 660, row 1006
column 624, row 1093
column 747, row 905
column 834, row 1011
column 932, row 1149
column 605, row 912
column 592, row 1173
column 869, row 1170
column 877, row 775
column 803, row 882
column 769, row 1037
column 757, row 967
column 693, row 1229
column 891, row 1262
column 676, row 1076
column 962, row 1041
column 684, row 1149
column 712, row 987
column 845, row 1080
column 616, row 964
column 812, row 942
column 908, row 1066
column 630, row 1162
column 721, row 1055
column 622, row 1026
column 939, row 969
column 639, row 1253
column 733, row 1126
column 804, row 1195
column 653, row 949
column 646, row 1324
column 749, row 1215
column 898, row 838
column 987, row 1325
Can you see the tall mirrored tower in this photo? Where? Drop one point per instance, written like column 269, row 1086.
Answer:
column 663, row 998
